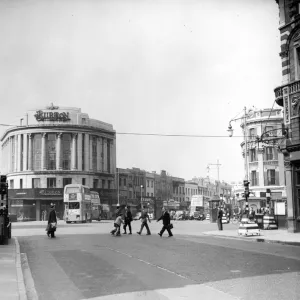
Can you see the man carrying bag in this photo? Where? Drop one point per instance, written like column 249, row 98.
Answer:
column 166, row 222
column 52, row 222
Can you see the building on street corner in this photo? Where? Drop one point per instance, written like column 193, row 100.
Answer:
column 264, row 163
column 52, row 147
column 287, row 95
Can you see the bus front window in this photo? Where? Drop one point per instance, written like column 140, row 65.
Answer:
column 74, row 205
column 71, row 190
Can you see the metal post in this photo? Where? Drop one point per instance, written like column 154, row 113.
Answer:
column 141, row 197
column 246, row 155
column 118, row 182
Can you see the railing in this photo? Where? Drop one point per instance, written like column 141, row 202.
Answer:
column 292, row 88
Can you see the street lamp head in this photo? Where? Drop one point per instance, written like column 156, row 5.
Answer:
column 230, row 130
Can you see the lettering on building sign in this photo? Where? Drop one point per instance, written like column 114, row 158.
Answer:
column 50, row 193
column 286, row 110
column 52, row 116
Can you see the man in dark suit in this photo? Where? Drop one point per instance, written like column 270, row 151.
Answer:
column 128, row 219
column 220, row 216
column 166, row 223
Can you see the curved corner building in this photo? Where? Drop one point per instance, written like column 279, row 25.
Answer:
column 55, row 146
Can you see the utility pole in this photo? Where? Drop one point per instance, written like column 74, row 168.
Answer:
column 218, row 165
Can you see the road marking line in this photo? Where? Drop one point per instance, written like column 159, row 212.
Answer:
column 151, row 264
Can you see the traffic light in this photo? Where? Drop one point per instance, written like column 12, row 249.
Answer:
column 246, row 185
column 3, row 185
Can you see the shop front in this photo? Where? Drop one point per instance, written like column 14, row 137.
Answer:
column 34, row 204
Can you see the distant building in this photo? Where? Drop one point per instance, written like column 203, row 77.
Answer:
column 54, row 146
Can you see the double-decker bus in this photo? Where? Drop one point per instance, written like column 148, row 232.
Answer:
column 78, row 205
column 96, row 206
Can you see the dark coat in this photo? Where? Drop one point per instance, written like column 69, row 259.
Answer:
column 166, row 218
column 128, row 218
column 52, row 217
column 220, row 214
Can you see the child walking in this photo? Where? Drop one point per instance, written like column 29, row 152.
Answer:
column 117, row 225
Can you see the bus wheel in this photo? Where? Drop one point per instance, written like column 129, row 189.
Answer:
column 68, row 222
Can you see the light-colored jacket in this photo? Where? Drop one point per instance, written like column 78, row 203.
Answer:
column 119, row 221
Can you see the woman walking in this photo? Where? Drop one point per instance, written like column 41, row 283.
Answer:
column 52, row 222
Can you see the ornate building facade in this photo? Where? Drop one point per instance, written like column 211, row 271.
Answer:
column 56, row 146
column 264, row 163
column 288, row 96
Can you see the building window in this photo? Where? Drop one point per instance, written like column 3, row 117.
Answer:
column 83, row 181
column 66, row 150
column 51, row 182
column 124, row 181
column 253, row 155
column 252, row 133
column 109, row 184
column 67, row 181
column 21, row 183
column 271, row 177
column 51, row 151
column 148, row 183
column 103, row 183
column 95, row 183
column 37, row 152
column 270, row 131
column 253, row 178
column 147, row 194
column 120, row 182
column 108, row 156
column 94, row 153
column 36, row 183
column 151, row 194
column 11, row 184
column 269, row 153
column 152, row 183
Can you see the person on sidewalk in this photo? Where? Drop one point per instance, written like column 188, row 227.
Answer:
column 144, row 216
column 128, row 220
column 117, row 225
column 52, row 222
column 166, row 223
column 219, row 219
column 252, row 214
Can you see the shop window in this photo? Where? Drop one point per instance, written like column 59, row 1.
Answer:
column 21, row 183
column 271, row 177
column 36, row 182
column 67, row 181
column 83, row 181
column 11, row 184
column 51, row 182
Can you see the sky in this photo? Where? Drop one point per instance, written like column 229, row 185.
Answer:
column 184, row 67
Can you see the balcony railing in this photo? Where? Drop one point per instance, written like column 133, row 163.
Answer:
column 293, row 87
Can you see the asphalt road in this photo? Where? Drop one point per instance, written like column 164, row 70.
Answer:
column 100, row 266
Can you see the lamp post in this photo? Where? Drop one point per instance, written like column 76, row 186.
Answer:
column 118, row 183
column 142, row 197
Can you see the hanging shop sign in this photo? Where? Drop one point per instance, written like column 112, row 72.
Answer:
column 52, row 116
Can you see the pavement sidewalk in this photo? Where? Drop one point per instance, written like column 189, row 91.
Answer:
column 270, row 236
column 12, row 285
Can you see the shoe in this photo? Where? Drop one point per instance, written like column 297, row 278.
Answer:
column 159, row 234
column 118, row 234
column 139, row 233
column 129, row 233
column 170, row 235
column 148, row 234
column 48, row 234
column 124, row 232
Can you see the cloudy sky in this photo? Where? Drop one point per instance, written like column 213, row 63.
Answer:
column 146, row 66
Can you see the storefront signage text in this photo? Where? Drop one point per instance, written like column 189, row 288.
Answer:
column 50, row 193
column 52, row 116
